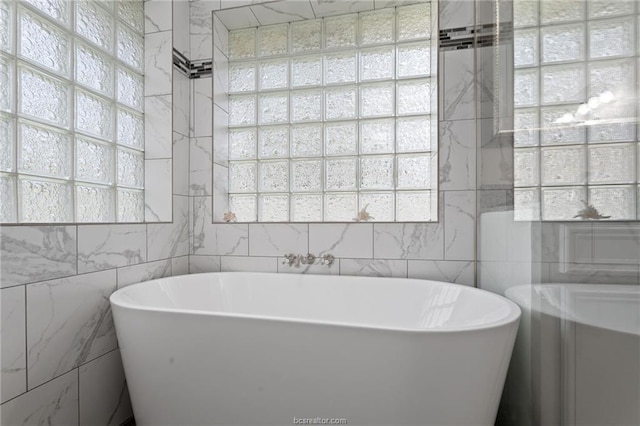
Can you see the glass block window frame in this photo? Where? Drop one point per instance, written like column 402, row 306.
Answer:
column 71, row 114
column 323, row 125
column 576, row 140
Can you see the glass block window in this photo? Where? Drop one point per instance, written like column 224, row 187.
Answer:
column 576, row 140
column 71, row 111
column 330, row 119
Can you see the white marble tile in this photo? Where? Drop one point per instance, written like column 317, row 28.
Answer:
column 495, row 158
column 409, row 240
column 217, row 239
column 180, row 266
column 457, row 155
column 200, row 16
column 381, row 4
column 592, row 273
column 278, row 239
column 447, row 271
column 248, row 264
column 220, row 35
column 498, row 277
column 143, row 272
column 456, row 13
column 157, row 191
column 201, row 163
column 226, row 4
column 331, row 8
column 13, row 359
column 54, row 403
column 316, row 269
column 69, row 323
column 158, row 63
column 200, row 222
column 241, row 17
column 220, row 192
column 220, row 80
column 342, row 240
column 616, row 243
column 157, row 126
column 104, row 397
column 487, row 59
column 181, row 102
column 180, row 164
column 201, row 264
column 220, row 136
column 167, row 240
column 157, row 16
column 203, row 103
column 181, row 30
column 35, row 253
column 284, row 11
column 374, row 267
column 110, row 246
column 459, row 225
column 201, row 46
column 457, row 100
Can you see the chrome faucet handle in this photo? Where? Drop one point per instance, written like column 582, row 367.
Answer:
column 291, row 259
column 309, row 259
column 327, row 259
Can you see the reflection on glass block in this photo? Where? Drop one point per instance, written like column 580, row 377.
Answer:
column 274, row 176
column 130, row 128
column 414, row 22
column 242, row 110
column 340, row 68
column 306, row 71
column 414, row 60
column 242, row 77
column 306, row 35
column 242, row 176
column 274, row 39
column 244, row 207
column 130, row 48
column 414, row 97
column 340, row 31
column 525, row 47
column 376, row 64
column 93, row 69
column 94, row 115
column 525, row 124
column 559, row 11
column 413, row 134
column 377, row 27
column 525, row 13
column 306, row 140
column 274, row 108
column 340, row 103
column 340, row 207
column 274, row 208
column 616, row 201
column 57, row 9
column 559, row 133
column 306, row 208
column 274, row 74
column 604, row 8
column 95, row 204
column 526, row 167
column 131, row 12
column 621, row 128
column 95, row 162
column 242, row 144
column 7, row 199
column 414, row 206
column 6, row 143
column 614, row 76
column 44, row 151
column 341, row 138
column 95, row 24
column 274, row 142
column 611, row 38
column 612, row 163
column 525, row 92
column 380, row 205
column 376, row 99
column 130, row 168
column 377, row 136
column 563, row 43
column 43, row 43
column 130, row 89
column 306, row 175
column 43, row 97
column 130, row 205
column 414, row 171
column 6, row 84
column 563, row 83
column 45, row 201
column 242, row 44
column 6, row 25
column 340, row 174
column 526, row 204
column 306, row 105
column 562, row 203
column 564, row 166
column 376, row 172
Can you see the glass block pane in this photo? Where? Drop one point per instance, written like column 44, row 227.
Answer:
column 274, row 142
column 274, row 208
column 525, row 49
column 380, row 205
column 306, row 208
column 306, row 35
column 242, row 44
column 130, row 205
column 563, row 43
column 377, row 99
column 306, row 105
column 340, row 207
column 94, row 69
column 244, row 207
column 377, row 27
column 525, row 13
column 242, row 110
column 43, row 43
column 130, row 128
column 559, row 11
column 414, row 97
column 6, row 143
column 340, row 31
column 130, row 168
column 377, row 136
column 414, row 171
column 526, row 204
column 6, row 84
column 563, row 83
column 57, row 9
column 242, row 177
column 414, row 22
column 242, row 144
column 526, row 123
column 340, row 174
column 340, row 68
column 414, row 206
column 274, row 108
column 413, row 134
column 95, row 204
column 611, row 38
column 274, row 176
column 612, row 163
column 306, row 140
column 341, row 139
column 621, row 127
column 604, row 8
column 376, row 64
column 376, row 172
column 562, row 203
column 7, row 198
column 130, row 89
column 95, row 161
column 43, row 200
column 242, row 77
column 94, row 115
column 6, row 25
column 414, row 60
column 95, row 24
column 306, row 71
column 43, row 97
column 306, row 175
column 274, row 39
column 555, row 131
column 616, row 77
column 525, row 87
column 44, row 151
column 526, row 167
column 616, row 201
column 274, row 74
column 340, row 103
column 564, row 166
column 130, row 48
column 131, row 12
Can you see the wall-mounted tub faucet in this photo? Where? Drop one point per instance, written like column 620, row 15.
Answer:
column 295, row 260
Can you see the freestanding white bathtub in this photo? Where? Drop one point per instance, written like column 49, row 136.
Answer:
column 278, row 349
